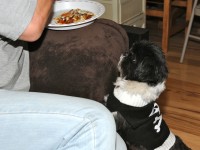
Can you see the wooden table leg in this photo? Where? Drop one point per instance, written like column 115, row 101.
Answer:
column 166, row 25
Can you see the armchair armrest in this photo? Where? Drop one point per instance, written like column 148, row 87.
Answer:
column 81, row 62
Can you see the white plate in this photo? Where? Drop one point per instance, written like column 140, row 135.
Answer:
column 66, row 5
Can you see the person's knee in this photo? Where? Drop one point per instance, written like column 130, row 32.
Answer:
column 102, row 117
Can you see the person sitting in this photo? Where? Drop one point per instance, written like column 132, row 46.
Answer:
column 36, row 120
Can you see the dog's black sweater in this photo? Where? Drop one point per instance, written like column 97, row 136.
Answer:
column 145, row 124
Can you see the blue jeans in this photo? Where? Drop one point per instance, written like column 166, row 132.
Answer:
column 39, row 121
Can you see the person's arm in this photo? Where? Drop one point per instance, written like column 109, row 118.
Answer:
column 38, row 22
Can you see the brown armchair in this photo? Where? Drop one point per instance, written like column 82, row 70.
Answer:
column 81, row 62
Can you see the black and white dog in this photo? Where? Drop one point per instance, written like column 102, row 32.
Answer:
column 143, row 72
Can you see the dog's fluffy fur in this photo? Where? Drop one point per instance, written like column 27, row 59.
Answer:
column 143, row 72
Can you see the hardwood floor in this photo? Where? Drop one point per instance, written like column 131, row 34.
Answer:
column 180, row 102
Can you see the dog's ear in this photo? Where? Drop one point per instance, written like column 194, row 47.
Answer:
column 151, row 72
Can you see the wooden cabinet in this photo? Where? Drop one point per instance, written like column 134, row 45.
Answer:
column 128, row 12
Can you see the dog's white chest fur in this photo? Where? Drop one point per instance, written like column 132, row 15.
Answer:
column 135, row 93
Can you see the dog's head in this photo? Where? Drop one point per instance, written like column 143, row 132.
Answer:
column 143, row 62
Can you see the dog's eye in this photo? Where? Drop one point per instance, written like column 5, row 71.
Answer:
column 125, row 54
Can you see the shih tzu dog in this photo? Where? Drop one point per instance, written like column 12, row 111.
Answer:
column 143, row 72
